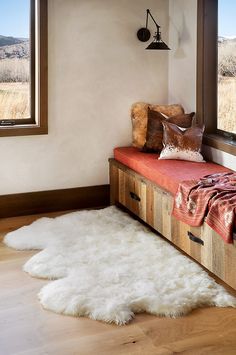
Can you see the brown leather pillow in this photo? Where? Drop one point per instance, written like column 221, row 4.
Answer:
column 182, row 144
column 154, row 135
column 139, row 118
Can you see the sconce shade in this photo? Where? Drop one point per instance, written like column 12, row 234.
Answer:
column 158, row 45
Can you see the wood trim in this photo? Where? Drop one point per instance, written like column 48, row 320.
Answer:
column 221, row 143
column 29, row 126
column 32, row 61
column 200, row 61
column 207, row 64
column 56, row 200
column 32, row 43
column 43, row 74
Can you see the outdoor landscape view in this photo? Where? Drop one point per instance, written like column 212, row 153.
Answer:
column 14, row 59
column 227, row 66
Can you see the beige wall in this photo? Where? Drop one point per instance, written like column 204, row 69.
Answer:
column 182, row 58
column 182, row 66
column 97, row 69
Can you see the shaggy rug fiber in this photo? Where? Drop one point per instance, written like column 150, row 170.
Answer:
column 105, row 265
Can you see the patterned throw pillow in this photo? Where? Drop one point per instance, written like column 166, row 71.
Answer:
column 139, row 118
column 182, row 144
column 154, row 135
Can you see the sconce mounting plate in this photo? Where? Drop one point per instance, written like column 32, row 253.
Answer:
column 143, row 34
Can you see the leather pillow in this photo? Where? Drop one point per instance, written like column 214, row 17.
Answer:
column 154, row 135
column 139, row 118
column 182, row 144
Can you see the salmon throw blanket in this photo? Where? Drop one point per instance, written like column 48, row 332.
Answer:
column 211, row 199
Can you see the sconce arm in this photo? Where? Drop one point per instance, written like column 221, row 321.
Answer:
column 144, row 34
column 149, row 14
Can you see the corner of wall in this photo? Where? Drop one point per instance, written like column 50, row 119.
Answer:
column 182, row 58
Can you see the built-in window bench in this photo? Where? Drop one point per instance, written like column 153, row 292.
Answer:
column 146, row 187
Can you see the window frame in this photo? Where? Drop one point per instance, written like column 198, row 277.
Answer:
column 207, row 77
column 39, row 73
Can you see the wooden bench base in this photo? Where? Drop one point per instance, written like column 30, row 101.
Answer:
column 154, row 205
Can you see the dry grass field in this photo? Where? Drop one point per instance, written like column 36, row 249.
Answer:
column 227, row 104
column 14, row 100
column 14, row 88
column 14, row 70
column 227, row 85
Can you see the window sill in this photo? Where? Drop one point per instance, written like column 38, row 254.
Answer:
column 221, row 143
column 23, row 130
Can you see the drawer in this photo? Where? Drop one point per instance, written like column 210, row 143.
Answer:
column 162, row 206
column 218, row 256
column 208, row 248
column 146, row 200
column 187, row 238
column 132, row 193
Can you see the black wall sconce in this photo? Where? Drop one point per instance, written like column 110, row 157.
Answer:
column 144, row 35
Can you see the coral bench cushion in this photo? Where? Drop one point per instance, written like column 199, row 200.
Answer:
column 165, row 173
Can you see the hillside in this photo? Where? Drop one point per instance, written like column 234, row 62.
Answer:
column 12, row 48
column 8, row 41
column 19, row 51
column 222, row 38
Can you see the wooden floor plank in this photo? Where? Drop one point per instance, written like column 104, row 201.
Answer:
column 27, row 329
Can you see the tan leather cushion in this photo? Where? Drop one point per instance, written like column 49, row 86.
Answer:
column 139, row 117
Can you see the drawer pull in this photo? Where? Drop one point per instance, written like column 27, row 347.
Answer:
column 134, row 196
column 195, row 239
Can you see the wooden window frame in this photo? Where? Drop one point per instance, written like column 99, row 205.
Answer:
column 35, row 125
column 207, row 62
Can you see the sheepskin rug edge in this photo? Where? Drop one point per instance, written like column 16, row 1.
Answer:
column 105, row 265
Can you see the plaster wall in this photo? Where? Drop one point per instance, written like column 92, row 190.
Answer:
column 97, row 69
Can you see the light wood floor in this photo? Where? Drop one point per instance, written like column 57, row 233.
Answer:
column 27, row 329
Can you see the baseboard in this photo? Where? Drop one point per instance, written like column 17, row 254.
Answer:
column 56, row 200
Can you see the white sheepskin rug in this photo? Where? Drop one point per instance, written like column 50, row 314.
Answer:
column 105, row 265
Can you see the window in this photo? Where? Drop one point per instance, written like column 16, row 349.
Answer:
column 23, row 67
column 226, row 66
column 216, row 73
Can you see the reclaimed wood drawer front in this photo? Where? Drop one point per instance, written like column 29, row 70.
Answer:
column 162, row 207
column 208, row 248
column 154, row 206
column 132, row 193
column 187, row 238
column 150, row 203
column 218, row 256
